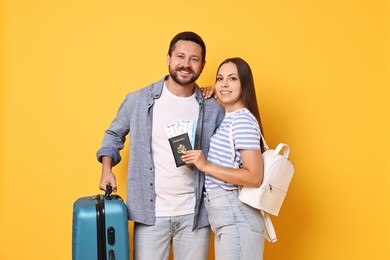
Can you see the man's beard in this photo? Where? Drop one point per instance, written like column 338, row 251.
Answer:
column 175, row 77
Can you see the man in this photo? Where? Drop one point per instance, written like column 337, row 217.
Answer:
column 164, row 201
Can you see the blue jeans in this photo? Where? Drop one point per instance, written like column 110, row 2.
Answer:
column 153, row 242
column 238, row 228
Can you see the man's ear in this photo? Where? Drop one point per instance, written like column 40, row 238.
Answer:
column 203, row 64
column 168, row 59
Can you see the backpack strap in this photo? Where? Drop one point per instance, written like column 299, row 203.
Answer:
column 263, row 140
column 270, row 234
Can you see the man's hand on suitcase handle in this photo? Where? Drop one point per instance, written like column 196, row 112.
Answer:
column 108, row 177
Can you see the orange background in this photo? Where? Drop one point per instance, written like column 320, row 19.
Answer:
column 322, row 75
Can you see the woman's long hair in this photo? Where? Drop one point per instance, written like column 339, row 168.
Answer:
column 248, row 95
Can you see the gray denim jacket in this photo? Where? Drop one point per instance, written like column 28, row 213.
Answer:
column 135, row 117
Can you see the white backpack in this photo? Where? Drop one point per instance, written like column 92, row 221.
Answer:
column 269, row 197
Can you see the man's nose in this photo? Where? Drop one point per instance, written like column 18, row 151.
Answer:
column 187, row 62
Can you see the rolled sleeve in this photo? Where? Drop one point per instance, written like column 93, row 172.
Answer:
column 109, row 152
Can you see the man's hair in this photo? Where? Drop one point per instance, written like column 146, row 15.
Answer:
column 188, row 36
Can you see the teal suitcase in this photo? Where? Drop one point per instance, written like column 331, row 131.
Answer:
column 100, row 228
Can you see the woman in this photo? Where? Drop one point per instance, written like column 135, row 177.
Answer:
column 238, row 228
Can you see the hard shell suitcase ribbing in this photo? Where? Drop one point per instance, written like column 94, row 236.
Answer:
column 100, row 228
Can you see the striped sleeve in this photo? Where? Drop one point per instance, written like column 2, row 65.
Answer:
column 246, row 132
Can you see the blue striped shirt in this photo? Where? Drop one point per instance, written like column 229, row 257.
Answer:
column 246, row 135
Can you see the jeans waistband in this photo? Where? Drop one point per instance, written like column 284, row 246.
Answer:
column 217, row 192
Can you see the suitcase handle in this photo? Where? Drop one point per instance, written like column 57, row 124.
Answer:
column 108, row 191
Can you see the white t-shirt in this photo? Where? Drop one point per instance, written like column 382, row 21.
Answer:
column 173, row 185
